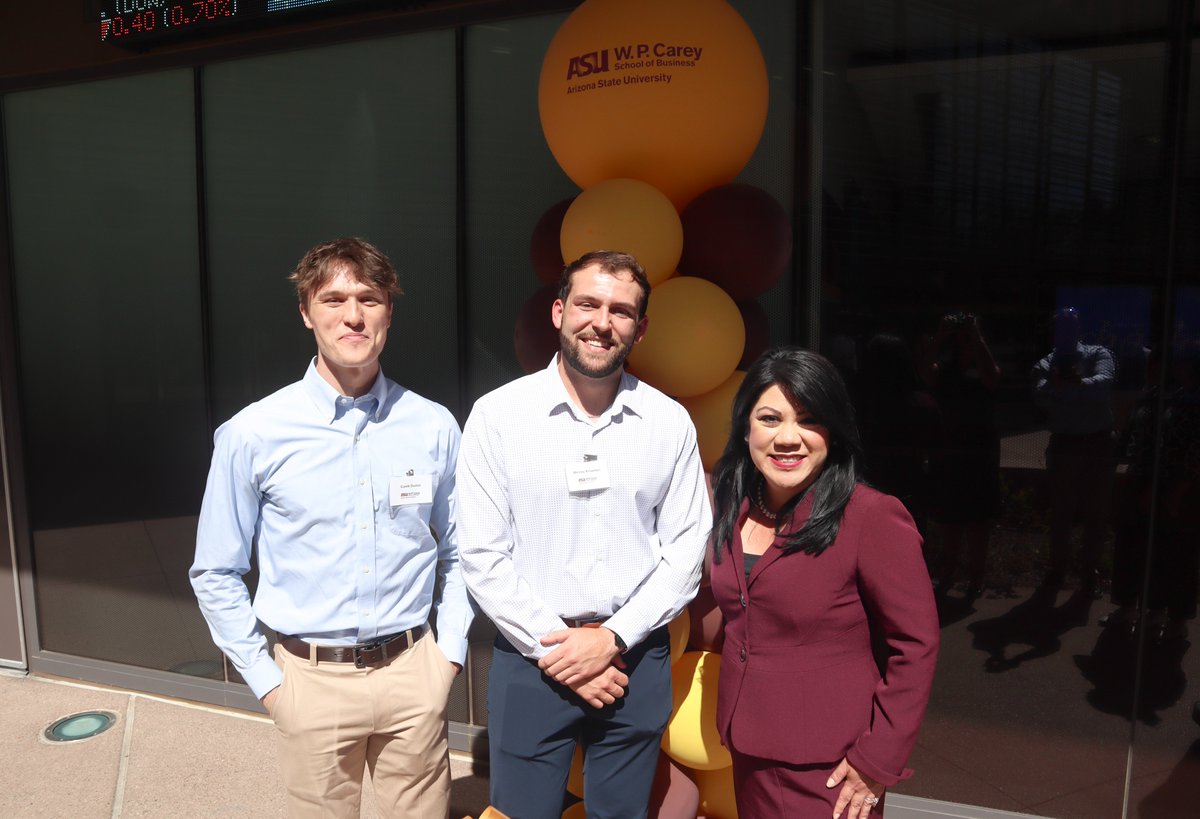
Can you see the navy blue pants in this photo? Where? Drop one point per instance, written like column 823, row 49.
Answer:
column 534, row 724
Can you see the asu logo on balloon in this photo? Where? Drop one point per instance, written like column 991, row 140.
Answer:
column 637, row 55
column 594, row 62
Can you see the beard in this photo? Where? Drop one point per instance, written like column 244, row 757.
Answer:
column 573, row 352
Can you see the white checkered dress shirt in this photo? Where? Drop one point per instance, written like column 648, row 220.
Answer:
column 533, row 552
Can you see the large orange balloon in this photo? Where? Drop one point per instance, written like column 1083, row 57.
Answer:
column 711, row 413
column 691, row 737
column 625, row 215
column 694, row 340
column 671, row 92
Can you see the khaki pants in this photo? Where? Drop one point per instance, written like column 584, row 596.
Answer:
column 333, row 719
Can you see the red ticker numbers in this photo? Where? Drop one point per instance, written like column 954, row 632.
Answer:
column 130, row 18
column 199, row 11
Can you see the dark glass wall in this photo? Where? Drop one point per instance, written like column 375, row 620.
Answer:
column 999, row 198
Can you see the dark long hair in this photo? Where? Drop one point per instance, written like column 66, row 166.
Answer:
column 810, row 380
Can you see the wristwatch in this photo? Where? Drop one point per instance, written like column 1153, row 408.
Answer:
column 621, row 647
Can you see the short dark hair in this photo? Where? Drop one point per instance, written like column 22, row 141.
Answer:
column 366, row 263
column 612, row 262
column 812, row 381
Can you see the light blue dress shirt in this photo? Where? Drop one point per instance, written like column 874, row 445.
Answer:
column 310, row 479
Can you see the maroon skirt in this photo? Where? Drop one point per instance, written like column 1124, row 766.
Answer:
column 770, row 789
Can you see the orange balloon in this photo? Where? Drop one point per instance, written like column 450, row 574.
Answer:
column 712, row 414
column 691, row 737
column 575, row 777
column 694, row 340
column 680, row 630
column 672, row 92
column 629, row 216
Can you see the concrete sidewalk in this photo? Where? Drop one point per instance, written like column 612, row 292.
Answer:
column 162, row 758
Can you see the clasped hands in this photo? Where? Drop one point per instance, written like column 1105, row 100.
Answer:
column 588, row 662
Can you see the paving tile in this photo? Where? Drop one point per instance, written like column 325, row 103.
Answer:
column 75, row 779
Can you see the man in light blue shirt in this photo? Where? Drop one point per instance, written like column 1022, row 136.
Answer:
column 343, row 483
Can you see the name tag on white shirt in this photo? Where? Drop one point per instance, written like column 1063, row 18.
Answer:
column 587, row 476
column 410, row 490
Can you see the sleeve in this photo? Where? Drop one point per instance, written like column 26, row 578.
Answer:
column 486, row 542
column 1040, row 376
column 1098, row 385
column 454, row 613
column 684, row 523
column 898, row 597
column 229, row 519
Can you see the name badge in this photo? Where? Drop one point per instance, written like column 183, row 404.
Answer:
column 410, row 490
column 586, row 476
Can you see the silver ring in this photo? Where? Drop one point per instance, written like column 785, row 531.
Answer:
column 871, row 800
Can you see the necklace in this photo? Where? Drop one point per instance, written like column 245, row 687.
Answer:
column 762, row 506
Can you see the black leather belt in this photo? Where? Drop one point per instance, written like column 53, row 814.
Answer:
column 362, row 655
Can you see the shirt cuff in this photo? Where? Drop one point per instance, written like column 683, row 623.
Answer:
column 454, row 646
column 263, row 676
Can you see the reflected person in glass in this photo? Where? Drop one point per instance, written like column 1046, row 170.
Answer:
column 811, row 567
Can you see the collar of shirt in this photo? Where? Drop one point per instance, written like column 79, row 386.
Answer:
column 555, row 395
column 331, row 404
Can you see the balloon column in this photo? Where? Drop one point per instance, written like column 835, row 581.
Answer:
column 653, row 107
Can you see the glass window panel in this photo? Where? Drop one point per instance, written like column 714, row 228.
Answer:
column 103, row 201
column 1001, row 169
column 1166, row 746
column 355, row 140
column 512, row 180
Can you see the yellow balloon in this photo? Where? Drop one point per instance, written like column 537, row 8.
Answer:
column 691, row 737
column 625, row 215
column 712, row 414
column 694, row 341
column 671, row 92
column 680, row 629
column 576, row 811
column 575, row 777
column 716, row 793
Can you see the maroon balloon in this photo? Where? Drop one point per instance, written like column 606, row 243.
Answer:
column 673, row 795
column 708, row 626
column 758, row 332
column 544, row 247
column 535, row 337
column 738, row 237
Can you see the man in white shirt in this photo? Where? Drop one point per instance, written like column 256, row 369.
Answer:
column 583, row 519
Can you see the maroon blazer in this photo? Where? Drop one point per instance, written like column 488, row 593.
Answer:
column 799, row 681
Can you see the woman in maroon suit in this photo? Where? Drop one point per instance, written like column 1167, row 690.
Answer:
column 810, row 569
